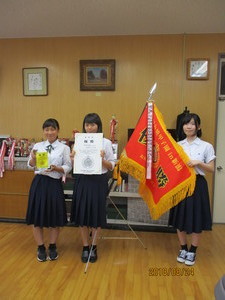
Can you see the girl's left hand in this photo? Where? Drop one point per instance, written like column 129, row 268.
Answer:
column 102, row 153
column 193, row 163
column 51, row 168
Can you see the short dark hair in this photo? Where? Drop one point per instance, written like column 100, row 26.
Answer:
column 93, row 118
column 187, row 118
column 51, row 122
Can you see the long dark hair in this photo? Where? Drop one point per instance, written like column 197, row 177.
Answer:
column 51, row 122
column 186, row 119
column 93, row 118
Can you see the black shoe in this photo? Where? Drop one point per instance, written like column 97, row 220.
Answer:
column 93, row 256
column 41, row 253
column 52, row 252
column 84, row 256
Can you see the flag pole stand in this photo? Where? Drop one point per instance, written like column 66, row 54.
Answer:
column 128, row 224
column 89, row 256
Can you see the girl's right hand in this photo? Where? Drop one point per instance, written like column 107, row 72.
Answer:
column 32, row 162
column 33, row 154
column 72, row 154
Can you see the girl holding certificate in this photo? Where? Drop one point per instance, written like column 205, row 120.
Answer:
column 90, row 192
column 46, row 204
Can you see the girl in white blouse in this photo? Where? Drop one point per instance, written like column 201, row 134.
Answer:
column 46, row 204
column 192, row 215
column 90, row 193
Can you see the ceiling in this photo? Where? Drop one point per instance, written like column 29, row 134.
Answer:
column 60, row 18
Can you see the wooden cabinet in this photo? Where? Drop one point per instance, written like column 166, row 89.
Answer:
column 14, row 189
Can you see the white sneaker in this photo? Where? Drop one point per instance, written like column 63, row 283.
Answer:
column 182, row 256
column 190, row 258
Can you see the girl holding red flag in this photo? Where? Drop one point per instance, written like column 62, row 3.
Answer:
column 192, row 215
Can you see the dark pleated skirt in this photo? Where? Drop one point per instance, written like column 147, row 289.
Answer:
column 46, row 204
column 193, row 214
column 89, row 200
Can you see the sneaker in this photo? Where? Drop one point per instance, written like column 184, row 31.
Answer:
column 41, row 254
column 52, row 253
column 84, row 255
column 190, row 259
column 182, row 256
column 93, row 256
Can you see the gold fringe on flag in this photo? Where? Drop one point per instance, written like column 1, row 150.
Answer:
column 116, row 174
column 131, row 167
column 169, row 200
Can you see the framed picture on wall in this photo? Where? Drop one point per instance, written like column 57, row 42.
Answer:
column 35, row 81
column 198, row 68
column 97, row 75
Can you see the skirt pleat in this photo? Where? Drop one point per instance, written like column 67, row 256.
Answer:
column 193, row 214
column 89, row 200
column 46, row 204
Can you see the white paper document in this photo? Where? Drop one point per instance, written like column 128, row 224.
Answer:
column 87, row 159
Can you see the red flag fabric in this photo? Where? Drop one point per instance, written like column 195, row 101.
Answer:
column 171, row 179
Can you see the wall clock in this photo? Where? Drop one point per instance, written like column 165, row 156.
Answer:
column 198, row 68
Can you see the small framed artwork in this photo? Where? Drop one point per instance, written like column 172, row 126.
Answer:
column 97, row 75
column 35, row 81
column 198, row 69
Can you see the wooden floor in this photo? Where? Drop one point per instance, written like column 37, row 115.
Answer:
column 125, row 270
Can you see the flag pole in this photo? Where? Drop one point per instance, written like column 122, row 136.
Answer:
column 152, row 91
column 149, row 132
column 89, row 256
column 136, row 236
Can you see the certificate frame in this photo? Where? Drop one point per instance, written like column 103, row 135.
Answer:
column 35, row 81
column 97, row 75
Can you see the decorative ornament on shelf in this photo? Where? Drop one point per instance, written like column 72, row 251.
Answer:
column 113, row 128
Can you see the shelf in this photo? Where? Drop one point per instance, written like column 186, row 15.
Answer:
column 124, row 194
column 112, row 194
column 68, row 192
column 124, row 222
column 6, row 158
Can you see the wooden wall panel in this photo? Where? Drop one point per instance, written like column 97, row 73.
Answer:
column 140, row 61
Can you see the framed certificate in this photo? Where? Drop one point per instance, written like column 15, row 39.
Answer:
column 87, row 159
column 35, row 81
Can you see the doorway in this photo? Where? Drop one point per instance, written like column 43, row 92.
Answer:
column 219, row 181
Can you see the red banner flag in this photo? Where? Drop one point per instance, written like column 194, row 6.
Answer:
column 171, row 179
